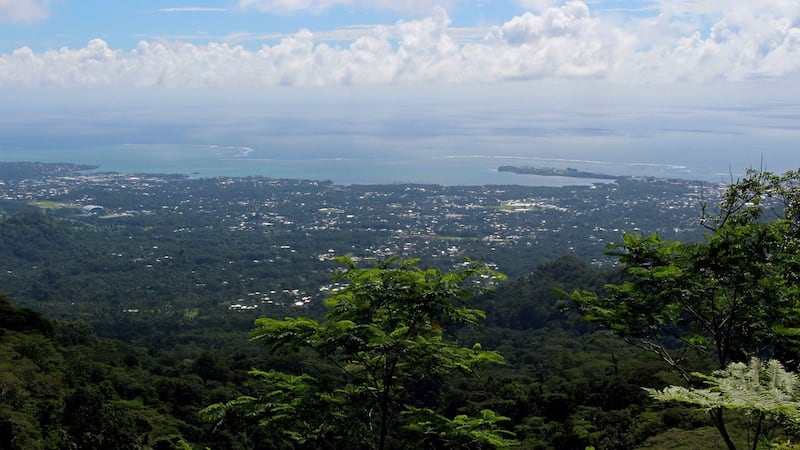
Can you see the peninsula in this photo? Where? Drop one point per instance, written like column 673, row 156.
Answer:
column 552, row 172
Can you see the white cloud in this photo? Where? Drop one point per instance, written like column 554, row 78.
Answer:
column 345, row 34
column 712, row 7
column 24, row 10
column 746, row 40
column 743, row 42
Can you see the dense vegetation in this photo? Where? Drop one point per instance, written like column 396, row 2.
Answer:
column 387, row 345
column 565, row 383
column 560, row 387
column 733, row 296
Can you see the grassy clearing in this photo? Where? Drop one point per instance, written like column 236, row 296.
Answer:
column 53, row 205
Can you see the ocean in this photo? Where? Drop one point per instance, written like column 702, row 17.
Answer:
column 434, row 134
column 453, row 169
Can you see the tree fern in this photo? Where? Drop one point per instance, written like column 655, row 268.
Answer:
column 759, row 386
column 764, row 389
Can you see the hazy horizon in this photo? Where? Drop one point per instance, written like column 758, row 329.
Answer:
column 704, row 84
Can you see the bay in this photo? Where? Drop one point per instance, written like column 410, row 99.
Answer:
column 453, row 169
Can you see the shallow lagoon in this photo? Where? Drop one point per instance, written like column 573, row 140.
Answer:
column 470, row 169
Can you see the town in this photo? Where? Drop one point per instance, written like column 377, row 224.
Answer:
column 246, row 243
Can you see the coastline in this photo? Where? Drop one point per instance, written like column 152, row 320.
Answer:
column 447, row 170
column 553, row 172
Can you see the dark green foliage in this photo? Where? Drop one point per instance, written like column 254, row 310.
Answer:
column 21, row 319
column 61, row 387
column 563, row 390
column 32, row 236
column 531, row 302
column 731, row 296
column 387, row 334
column 431, row 430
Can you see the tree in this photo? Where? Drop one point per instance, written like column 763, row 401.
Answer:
column 764, row 390
column 388, row 336
column 729, row 297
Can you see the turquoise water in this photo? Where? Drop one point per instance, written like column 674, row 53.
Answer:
column 210, row 161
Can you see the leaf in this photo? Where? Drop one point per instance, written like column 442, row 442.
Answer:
column 389, row 328
column 759, row 386
column 399, row 332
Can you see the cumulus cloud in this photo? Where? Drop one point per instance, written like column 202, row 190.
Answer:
column 23, row 10
column 746, row 40
column 743, row 42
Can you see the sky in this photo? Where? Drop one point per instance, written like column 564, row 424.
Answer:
column 343, row 42
column 646, row 76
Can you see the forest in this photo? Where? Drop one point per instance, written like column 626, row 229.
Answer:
column 279, row 314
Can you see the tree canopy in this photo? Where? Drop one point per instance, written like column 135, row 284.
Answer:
column 388, row 340
column 729, row 297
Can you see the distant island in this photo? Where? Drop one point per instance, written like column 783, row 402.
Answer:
column 552, row 172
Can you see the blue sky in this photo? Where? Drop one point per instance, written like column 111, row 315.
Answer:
column 122, row 24
column 693, row 76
